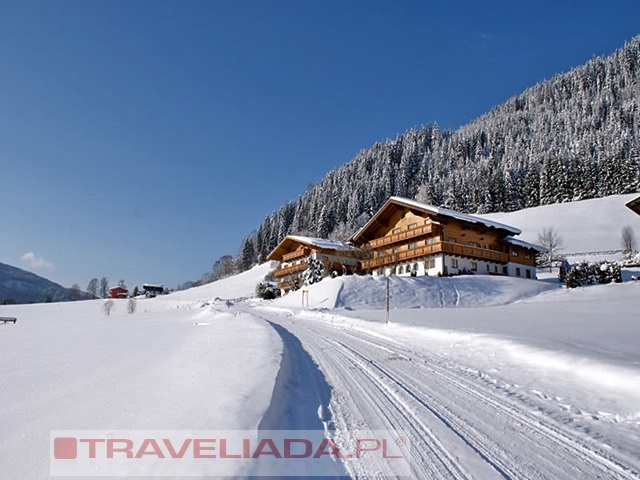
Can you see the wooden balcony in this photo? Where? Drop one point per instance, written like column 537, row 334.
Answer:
column 399, row 237
column 285, row 285
column 303, row 252
column 435, row 248
column 394, row 258
column 474, row 252
column 282, row 272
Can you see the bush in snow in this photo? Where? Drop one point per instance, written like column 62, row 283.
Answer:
column 629, row 260
column 609, row 273
column 266, row 291
column 107, row 306
column 131, row 305
column 314, row 272
column 563, row 270
column 584, row 273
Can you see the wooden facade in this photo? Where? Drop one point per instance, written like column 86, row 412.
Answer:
column 408, row 238
column 118, row 292
column 634, row 205
column 295, row 252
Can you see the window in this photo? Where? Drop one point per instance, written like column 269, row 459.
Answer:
column 488, row 268
column 395, row 231
column 528, row 273
column 495, row 269
column 397, row 249
column 429, row 241
column 431, row 263
column 413, row 225
column 412, row 246
column 454, row 263
column 514, row 253
column 473, row 244
column 474, row 266
column 452, row 240
column 527, row 256
column 517, row 272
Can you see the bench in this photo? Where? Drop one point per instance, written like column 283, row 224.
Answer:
column 5, row 320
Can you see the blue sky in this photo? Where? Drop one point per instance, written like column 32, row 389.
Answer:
column 142, row 140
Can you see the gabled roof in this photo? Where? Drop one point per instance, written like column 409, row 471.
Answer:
column 522, row 243
column 320, row 243
column 634, row 205
column 442, row 212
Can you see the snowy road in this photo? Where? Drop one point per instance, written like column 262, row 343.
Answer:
column 459, row 427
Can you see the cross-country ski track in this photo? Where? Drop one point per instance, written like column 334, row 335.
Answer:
column 459, row 425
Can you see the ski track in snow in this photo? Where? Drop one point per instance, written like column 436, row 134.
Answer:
column 459, row 426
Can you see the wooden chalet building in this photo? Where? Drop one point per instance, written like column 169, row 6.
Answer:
column 634, row 205
column 118, row 292
column 294, row 253
column 406, row 237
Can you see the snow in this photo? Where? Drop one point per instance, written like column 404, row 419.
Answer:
column 368, row 292
column 490, row 377
column 522, row 243
column 238, row 286
column 586, row 226
column 324, row 244
column 70, row 367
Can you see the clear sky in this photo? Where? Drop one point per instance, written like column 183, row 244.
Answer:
column 142, row 140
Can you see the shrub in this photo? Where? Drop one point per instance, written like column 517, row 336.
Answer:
column 265, row 291
column 584, row 273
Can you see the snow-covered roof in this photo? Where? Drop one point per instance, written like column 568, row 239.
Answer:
column 445, row 212
column 522, row 243
column 291, row 240
column 465, row 217
column 323, row 243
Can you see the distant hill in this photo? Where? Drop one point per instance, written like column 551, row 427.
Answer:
column 20, row 286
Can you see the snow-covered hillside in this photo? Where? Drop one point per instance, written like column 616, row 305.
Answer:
column 489, row 377
column 238, row 286
column 586, row 226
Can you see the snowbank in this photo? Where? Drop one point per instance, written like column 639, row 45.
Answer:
column 368, row 292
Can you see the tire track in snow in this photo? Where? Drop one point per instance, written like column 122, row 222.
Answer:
column 379, row 381
column 560, row 450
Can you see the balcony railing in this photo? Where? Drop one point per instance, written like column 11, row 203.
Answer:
column 399, row 237
column 474, row 252
column 434, row 248
column 393, row 258
column 287, row 257
column 282, row 272
column 285, row 285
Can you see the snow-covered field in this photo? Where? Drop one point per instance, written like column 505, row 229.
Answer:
column 489, row 377
column 172, row 365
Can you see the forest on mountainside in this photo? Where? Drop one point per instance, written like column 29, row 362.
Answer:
column 573, row 137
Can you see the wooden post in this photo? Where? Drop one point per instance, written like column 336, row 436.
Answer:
column 387, row 322
column 305, row 292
